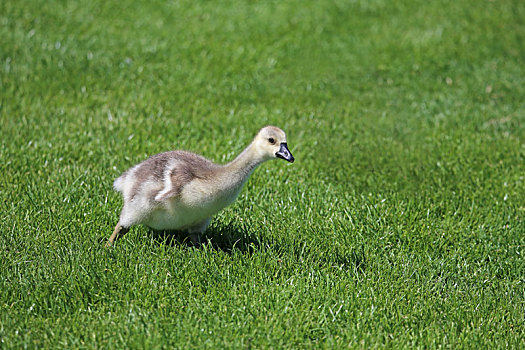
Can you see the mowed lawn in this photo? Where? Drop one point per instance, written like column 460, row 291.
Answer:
column 400, row 224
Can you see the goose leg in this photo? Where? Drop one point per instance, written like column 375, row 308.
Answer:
column 197, row 230
column 117, row 233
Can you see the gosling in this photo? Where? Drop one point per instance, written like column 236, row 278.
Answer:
column 180, row 190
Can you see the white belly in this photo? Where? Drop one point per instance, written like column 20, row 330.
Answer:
column 193, row 207
column 179, row 218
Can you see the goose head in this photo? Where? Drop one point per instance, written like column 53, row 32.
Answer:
column 270, row 143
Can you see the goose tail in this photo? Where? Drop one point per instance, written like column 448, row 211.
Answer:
column 118, row 185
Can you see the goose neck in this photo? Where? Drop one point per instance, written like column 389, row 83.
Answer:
column 245, row 163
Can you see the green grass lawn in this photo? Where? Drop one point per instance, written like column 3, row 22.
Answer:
column 400, row 224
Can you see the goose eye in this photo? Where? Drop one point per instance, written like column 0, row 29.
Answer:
column 271, row 140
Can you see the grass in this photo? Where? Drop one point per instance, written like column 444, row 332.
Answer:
column 399, row 225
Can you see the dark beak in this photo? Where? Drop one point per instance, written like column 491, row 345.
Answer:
column 285, row 153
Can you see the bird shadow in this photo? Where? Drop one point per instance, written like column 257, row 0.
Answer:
column 226, row 238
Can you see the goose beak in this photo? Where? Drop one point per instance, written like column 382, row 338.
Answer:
column 285, row 153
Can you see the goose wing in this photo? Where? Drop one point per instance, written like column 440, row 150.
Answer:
column 174, row 181
column 180, row 169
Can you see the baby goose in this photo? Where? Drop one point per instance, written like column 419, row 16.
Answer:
column 180, row 190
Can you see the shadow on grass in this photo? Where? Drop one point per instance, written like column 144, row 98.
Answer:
column 349, row 259
column 226, row 238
